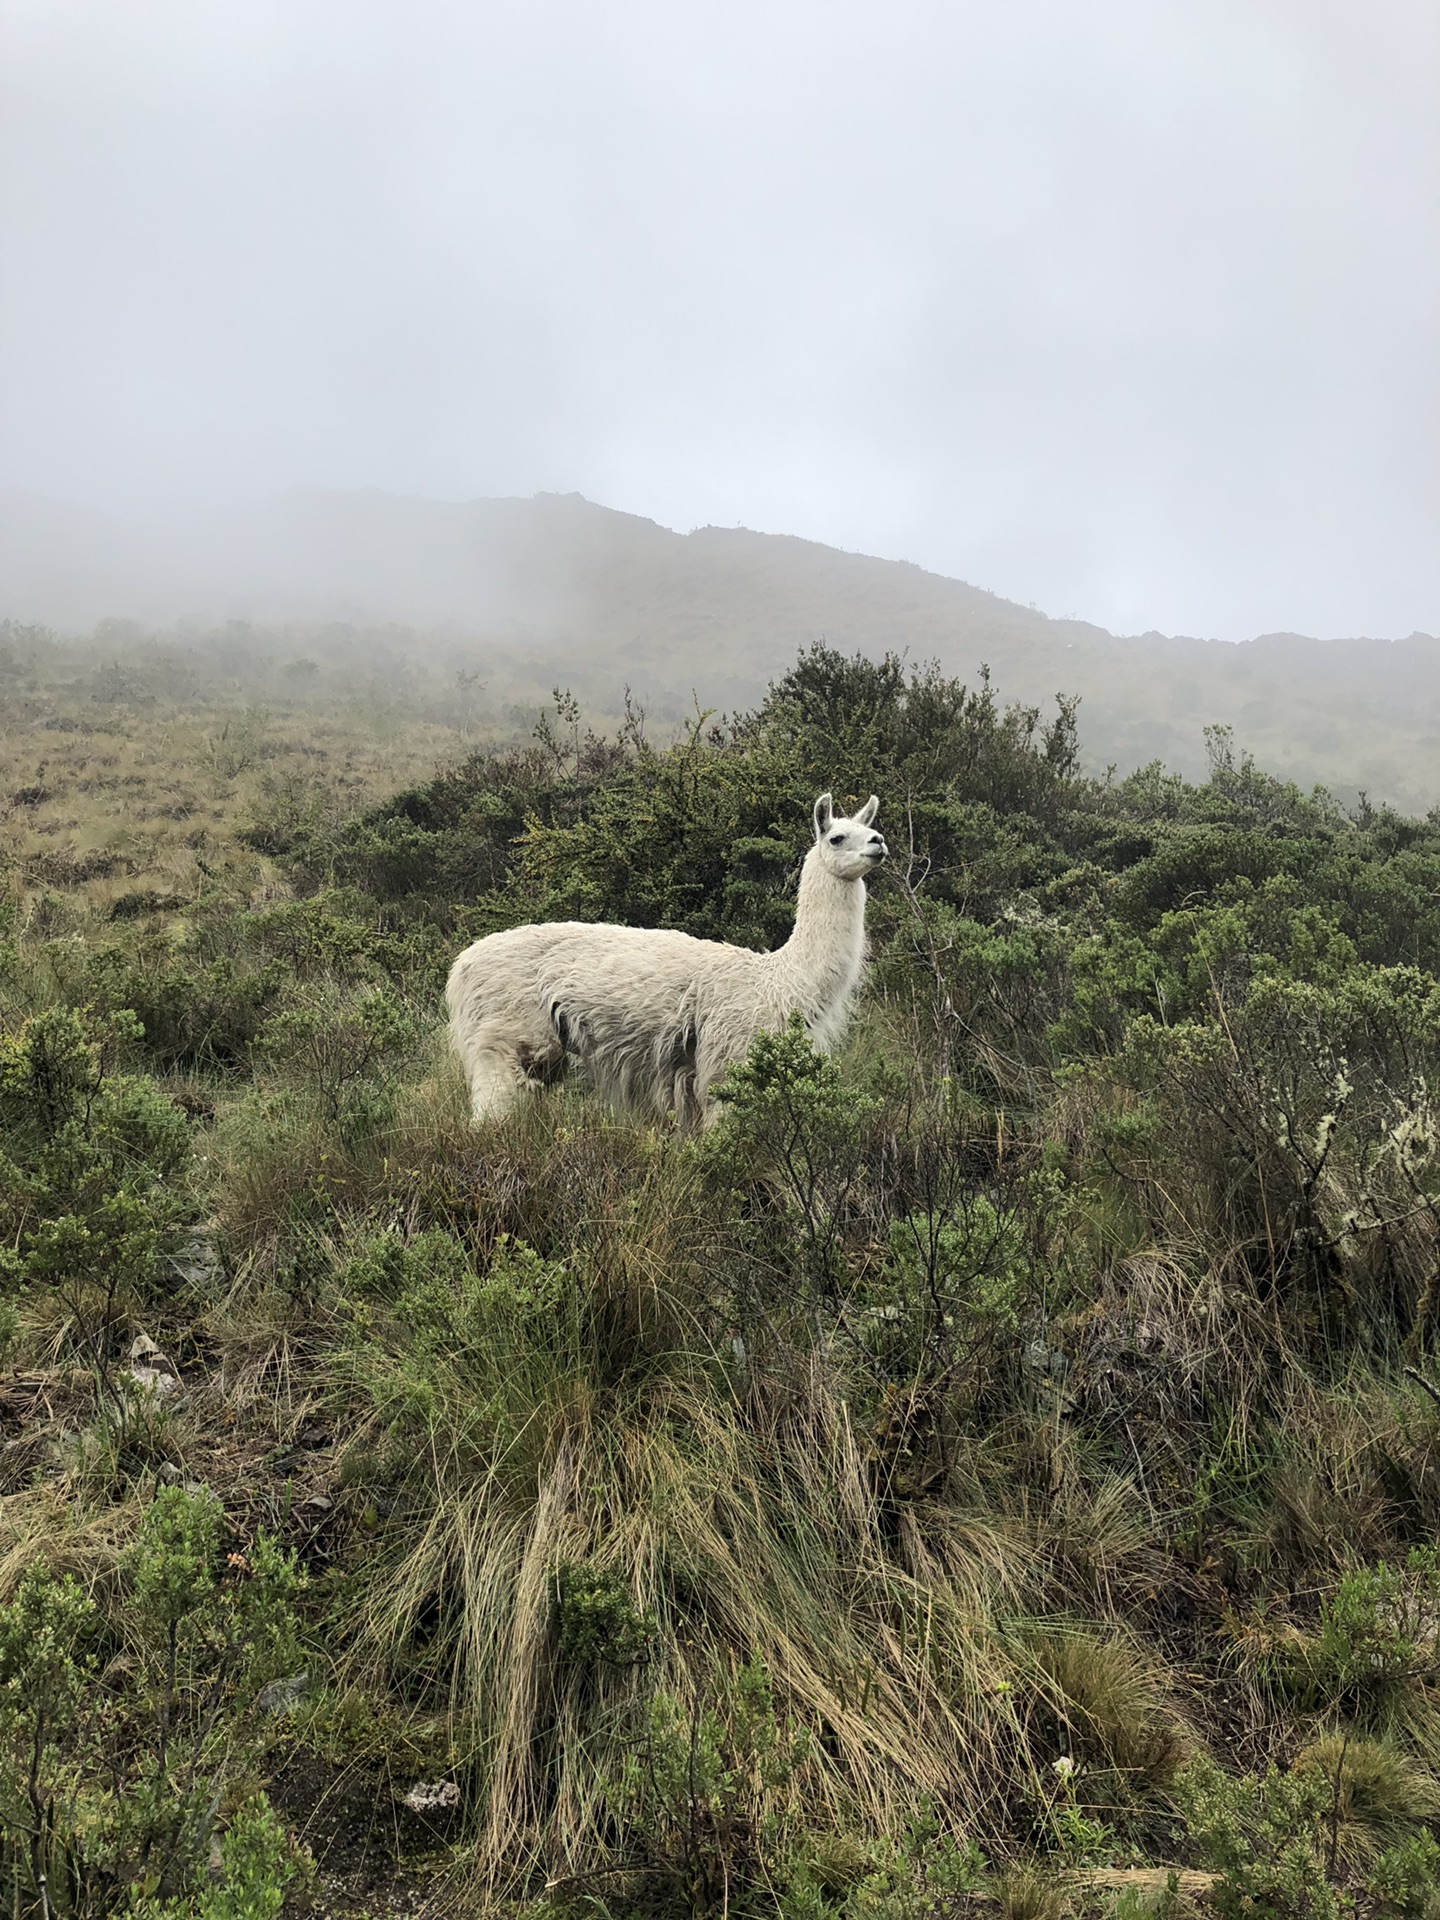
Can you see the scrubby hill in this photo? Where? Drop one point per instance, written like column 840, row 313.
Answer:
column 993, row 1469
column 598, row 599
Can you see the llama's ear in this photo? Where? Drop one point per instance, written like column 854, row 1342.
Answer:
column 824, row 814
column 868, row 812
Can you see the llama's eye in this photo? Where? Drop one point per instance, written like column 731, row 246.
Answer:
column 837, row 839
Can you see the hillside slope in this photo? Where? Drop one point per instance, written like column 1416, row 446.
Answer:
column 604, row 599
column 993, row 1468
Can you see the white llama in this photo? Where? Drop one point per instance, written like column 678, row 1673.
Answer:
column 655, row 1017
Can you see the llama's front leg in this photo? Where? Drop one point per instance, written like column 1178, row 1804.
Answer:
column 705, row 1111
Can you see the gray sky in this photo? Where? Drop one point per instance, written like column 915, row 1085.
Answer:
column 1130, row 309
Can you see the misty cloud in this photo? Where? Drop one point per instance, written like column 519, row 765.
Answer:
column 1129, row 311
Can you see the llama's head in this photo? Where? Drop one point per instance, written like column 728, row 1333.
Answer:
column 848, row 846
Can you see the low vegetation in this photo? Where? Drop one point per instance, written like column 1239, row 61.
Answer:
column 994, row 1471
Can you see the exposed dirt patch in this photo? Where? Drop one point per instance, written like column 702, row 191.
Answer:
column 371, row 1852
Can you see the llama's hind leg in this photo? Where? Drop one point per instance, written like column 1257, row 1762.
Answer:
column 500, row 1069
column 496, row 1081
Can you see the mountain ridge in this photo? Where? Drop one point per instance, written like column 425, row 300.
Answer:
column 606, row 598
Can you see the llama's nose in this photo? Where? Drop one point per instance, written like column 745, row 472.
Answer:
column 877, row 846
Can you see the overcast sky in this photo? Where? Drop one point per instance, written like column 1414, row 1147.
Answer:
column 1128, row 308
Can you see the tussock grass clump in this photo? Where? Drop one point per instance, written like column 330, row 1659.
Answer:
column 525, row 1416
column 1109, row 1702
column 1380, row 1794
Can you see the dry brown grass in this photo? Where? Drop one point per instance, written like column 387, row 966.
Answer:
column 137, row 811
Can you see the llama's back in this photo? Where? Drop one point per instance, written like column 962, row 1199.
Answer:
column 653, row 1014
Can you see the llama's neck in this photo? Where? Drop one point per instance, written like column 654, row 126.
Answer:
column 821, row 960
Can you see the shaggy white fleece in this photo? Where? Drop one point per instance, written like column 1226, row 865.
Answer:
column 654, row 1018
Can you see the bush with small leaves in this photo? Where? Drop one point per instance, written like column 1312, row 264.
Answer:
column 343, row 1048
column 708, row 1793
column 196, row 1011
column 208, row 1630
column 1405, row 1880
column 1376, row 1640
column 71, row 1119
column 925, row 1874
column 1269, row 1839
column 91, row 1166
column 257, row 1864
column 952, row 1290
column 598, row 1619
column 792, row 1123
column 104, row 1790
column 48, row 1657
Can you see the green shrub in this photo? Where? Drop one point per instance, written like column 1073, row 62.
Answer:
column 1270, row 1839
column 1376, row 1638
column 1405, row 1880
column 100, row 1793
column 70, row 1121
column 925, row 1874
column 959, row 1277
column 195, row 1013
column 791, row 1121
column 48, row 1657
column 708, row 1797
column 257, row 1864
column 598, row 1619
column 343, row 1049
column 91, row 1177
